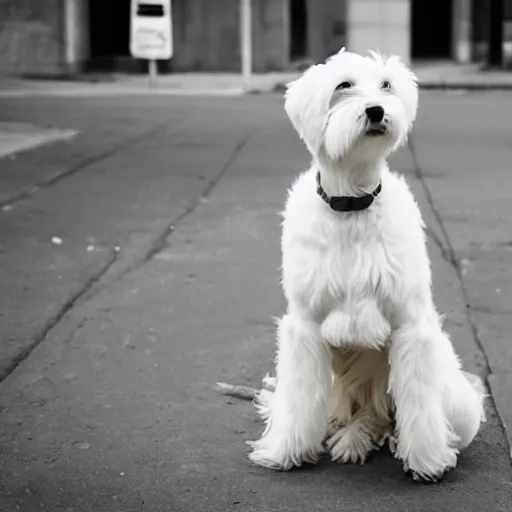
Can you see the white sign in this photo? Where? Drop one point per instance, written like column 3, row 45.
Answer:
column 151, row 29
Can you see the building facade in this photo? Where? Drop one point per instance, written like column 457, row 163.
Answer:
column 61, row 36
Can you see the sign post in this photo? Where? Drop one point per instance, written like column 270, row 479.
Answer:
column 153, row 73
column 151, row 33
column 246, row 42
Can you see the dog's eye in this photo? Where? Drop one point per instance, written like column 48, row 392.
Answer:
column 386, row 85
column 344, row 85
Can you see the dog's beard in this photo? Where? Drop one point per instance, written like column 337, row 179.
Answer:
column 348, row 133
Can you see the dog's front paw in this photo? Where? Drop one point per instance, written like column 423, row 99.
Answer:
column 350, row 444
column 265, row 458
column 427, row 468
column 427, row 477
column 279, row 459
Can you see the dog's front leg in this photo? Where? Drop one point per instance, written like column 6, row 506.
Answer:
column 420, row 354
column 297, row 415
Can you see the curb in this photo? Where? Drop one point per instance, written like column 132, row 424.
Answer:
column 108, row 92
column 434, row 86
column 499, row 385
column 91, row 90
column 466, row 86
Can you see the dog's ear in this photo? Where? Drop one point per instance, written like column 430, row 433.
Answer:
column 307, row 100
column 306, row 106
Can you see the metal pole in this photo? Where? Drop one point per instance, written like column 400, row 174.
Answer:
column 246, row 42
column 70, row 34
column 153, row 73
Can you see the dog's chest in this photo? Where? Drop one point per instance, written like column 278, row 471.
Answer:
column 344, row 268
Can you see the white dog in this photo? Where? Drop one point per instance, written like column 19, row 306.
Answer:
column 362, row 356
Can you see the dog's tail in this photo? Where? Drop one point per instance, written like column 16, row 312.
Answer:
column 479, row 386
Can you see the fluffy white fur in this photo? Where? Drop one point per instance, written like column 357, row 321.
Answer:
column 362, row 357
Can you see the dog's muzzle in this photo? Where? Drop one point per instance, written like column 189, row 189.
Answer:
column 375, row 130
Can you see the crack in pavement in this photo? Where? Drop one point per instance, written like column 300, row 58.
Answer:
column 439, row 243
column 79, row 325
column 78, row 296
column 448, row 253
column 100, row 280
column 58, row 176
column 57, row 318
column 160, row 241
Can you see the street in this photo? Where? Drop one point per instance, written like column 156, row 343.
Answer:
column 140, row 265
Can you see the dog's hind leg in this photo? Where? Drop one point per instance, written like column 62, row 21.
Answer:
column 360, row 407
column 463, row 402
column 296, row 412
column 351, row 436
column 341, row 407
column 353, row 442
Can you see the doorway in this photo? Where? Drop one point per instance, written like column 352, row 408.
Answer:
column 109, row 34
column 298, row 30
column 431, row 29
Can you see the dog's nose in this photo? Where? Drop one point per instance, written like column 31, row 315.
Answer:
column 375, row 113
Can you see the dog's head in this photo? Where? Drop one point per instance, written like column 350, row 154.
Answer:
column 354, row 107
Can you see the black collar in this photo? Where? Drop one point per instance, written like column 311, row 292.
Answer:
column 347, row 203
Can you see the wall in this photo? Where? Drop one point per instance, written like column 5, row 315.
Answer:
column 271, row 34
column 30, row 36
column 52, row 36
column 327, row 29
column 379, row 25
column 207, row 37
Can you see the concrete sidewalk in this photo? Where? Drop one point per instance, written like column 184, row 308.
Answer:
column 464, row 156
column 114, row 409
column 447, row 75
column 443, row 75
column 16, row 137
